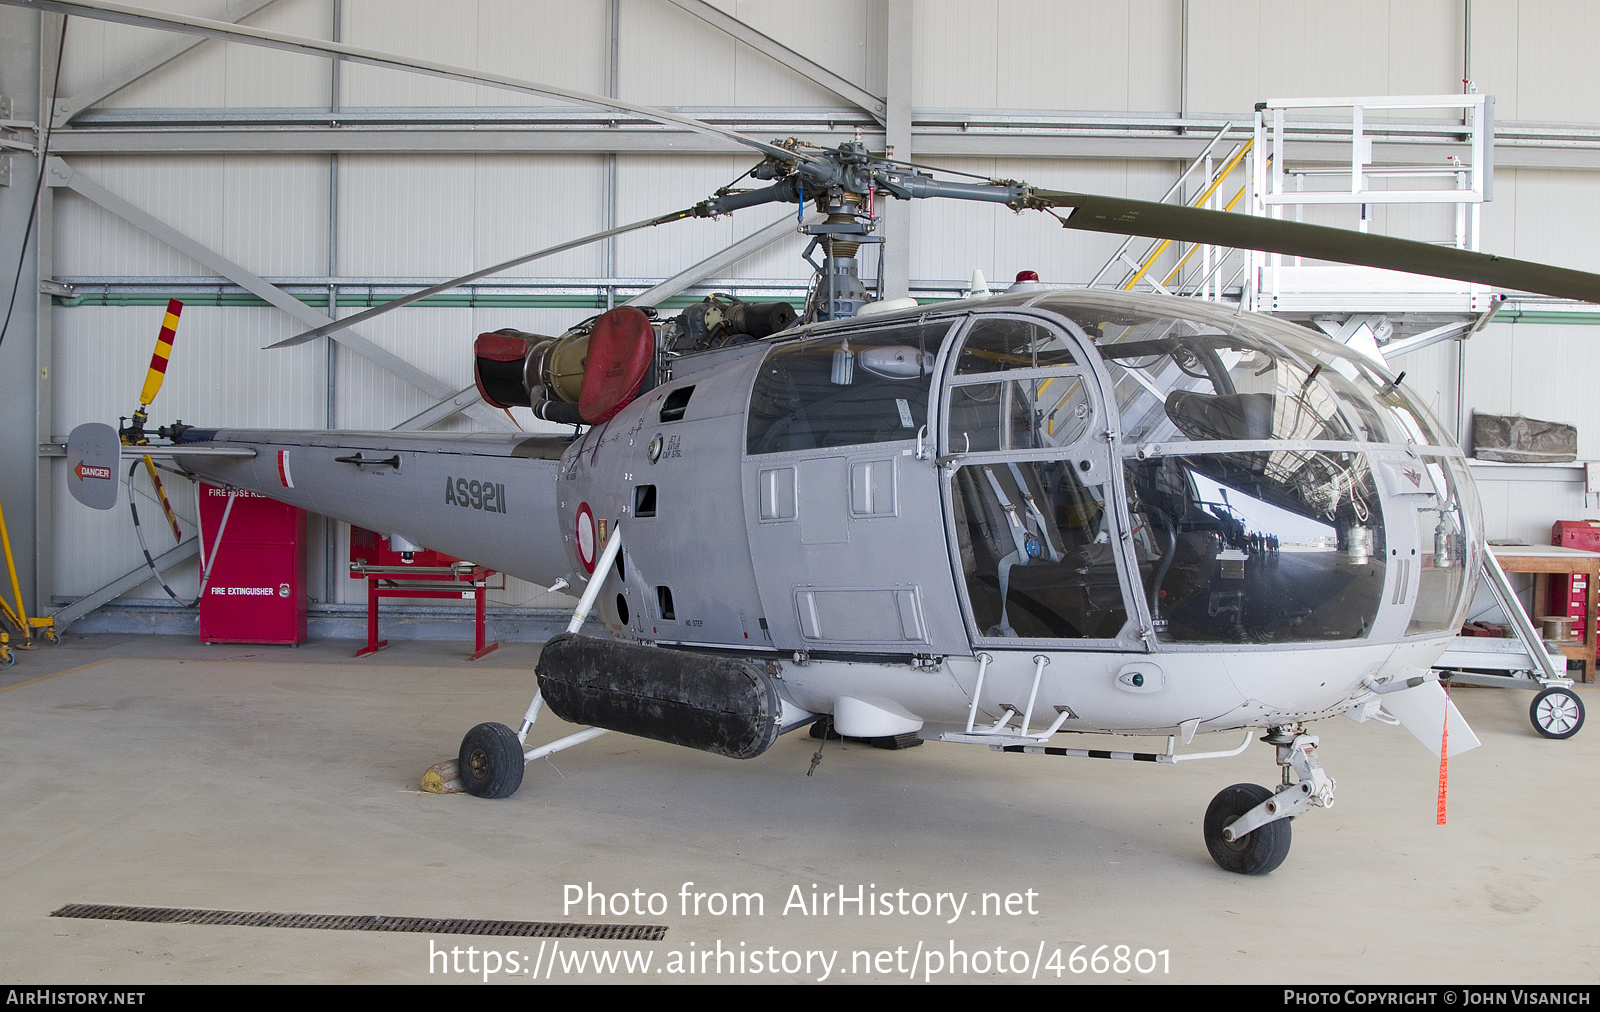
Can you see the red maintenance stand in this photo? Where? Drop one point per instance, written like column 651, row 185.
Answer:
column 414, row 574
column 257, row 592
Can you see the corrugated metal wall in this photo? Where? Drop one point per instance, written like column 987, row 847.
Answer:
column 440, row 214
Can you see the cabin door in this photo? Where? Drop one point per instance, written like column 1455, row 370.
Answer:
column 1033, row 513
column 842, row 495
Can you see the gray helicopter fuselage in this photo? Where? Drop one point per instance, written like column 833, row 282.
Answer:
column 1145, row 512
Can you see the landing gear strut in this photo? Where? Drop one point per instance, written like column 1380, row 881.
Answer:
column 1247, row 827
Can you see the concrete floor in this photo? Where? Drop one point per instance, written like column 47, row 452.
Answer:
column 152, row 771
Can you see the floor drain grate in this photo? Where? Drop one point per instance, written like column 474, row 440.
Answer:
column 366, row 922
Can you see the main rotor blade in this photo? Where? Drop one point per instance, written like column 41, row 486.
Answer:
column 1122, row 216
column 144, row 17
column 445, row 286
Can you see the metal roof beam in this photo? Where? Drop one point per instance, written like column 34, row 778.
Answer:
column 59, row 173
column 116, row 588
column 769, row 47
column 442, row 410
column 68, row 107
column 532, row 140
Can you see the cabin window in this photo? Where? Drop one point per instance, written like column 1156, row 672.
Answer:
column 644, row 500
column 1036, row 552
column 1284, row 546
column 1191, row 384
column 867, row 387
column 1254, row 374
column 1447, row 555
column 1002, row 343
column 1025, row 413
column 676, row 404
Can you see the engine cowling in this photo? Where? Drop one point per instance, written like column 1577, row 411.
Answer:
column 594, row 370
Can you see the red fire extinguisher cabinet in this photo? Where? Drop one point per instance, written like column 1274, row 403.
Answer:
column 257, row 592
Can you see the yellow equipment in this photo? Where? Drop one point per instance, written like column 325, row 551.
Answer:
column 15, row 620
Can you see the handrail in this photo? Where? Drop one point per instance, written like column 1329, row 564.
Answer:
column 1176, row 186
column 1194, row 246
column 1161, row 247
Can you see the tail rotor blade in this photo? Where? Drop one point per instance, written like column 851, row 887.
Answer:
column 158, row 361
column 161, row 493
column 102, row 10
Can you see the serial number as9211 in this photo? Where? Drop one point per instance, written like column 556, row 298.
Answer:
column 1122, row 960
column 480, row 495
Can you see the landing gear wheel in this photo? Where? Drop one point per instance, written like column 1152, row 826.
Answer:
column 1255, row 854
column 822, row 729
column 1556, row 713
column 491, row 761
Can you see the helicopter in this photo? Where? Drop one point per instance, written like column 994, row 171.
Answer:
column 987, row 522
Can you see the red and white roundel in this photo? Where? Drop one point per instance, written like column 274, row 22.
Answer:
column 586, row 537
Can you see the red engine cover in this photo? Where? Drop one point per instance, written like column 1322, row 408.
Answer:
column 620, row 352
column 499, row 346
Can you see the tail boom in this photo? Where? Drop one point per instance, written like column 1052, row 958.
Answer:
column 488, row 498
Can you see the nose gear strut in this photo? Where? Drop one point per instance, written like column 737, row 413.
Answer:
column 1256, row 839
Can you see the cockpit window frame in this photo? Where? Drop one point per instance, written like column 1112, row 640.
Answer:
column 1092, row 448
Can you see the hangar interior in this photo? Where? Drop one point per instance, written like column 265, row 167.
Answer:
column 336, row 181
column 269, row 191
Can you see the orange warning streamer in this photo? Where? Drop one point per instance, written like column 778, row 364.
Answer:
column 1444, row 761
column 158, row 361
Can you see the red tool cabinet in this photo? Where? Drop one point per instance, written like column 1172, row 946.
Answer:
column 257, row 592
column 1567, row 591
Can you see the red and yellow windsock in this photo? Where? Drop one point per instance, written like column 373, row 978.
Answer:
column 158, row 361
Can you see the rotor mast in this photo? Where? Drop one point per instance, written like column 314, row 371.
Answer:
column 843, row 183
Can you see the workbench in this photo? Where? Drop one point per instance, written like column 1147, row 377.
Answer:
column 1555, row 559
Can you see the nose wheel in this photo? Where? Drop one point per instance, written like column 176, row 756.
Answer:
column 1255, row 853
column 1247, row 827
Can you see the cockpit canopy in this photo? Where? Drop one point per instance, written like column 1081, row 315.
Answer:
column 1191, row 370
column 1115, row 462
